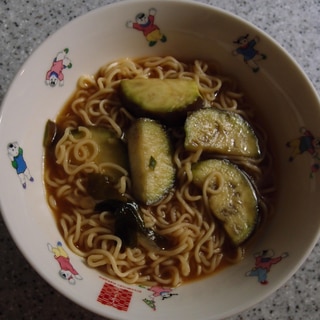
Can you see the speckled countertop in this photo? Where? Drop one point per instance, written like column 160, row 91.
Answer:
column 295, row 24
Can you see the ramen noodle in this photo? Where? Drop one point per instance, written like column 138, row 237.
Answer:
column 199, row 243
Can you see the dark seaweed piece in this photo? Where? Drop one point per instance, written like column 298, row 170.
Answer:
column 52, row 134
column 129, row 224
column 154, row 238
column 100, row 187
column 109, row 205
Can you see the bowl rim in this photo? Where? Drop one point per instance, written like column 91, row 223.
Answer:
column 5, row 214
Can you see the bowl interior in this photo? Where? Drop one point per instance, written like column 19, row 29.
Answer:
column 282, row 97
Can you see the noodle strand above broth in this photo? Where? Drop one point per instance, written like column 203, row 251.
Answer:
column 198, row 243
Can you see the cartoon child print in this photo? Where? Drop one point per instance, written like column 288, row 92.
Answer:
column 55, row 74
column 67, row 271
column 15, row 154
column 246, row 48
column 158, row 291
column 264, row 260
column 145, row 24
column 306, row 143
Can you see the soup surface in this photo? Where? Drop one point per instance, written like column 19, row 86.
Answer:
column 138, row 200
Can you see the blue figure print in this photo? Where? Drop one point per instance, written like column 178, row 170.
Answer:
column 264, row 260
column 251, row 55
column 145, row 24
column 306, row 143
column 15, row 154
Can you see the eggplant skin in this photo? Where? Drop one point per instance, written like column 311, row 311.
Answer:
column 165, row 100
column 222, row 132
column 235, row 204
column 151, row 160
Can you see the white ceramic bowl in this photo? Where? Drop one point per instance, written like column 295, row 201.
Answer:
column 278, row 88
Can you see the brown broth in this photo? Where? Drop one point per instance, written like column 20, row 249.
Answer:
column 63, row 206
